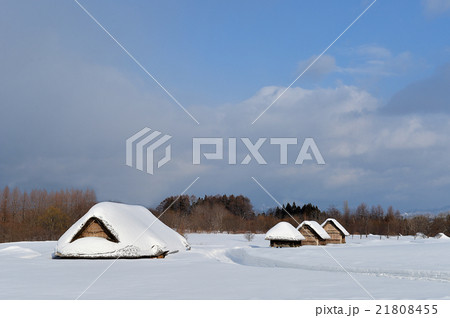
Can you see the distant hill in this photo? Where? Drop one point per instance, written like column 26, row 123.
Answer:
column 433, row 211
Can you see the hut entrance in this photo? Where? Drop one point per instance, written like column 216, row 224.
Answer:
column 94, row 227
column 285, row 243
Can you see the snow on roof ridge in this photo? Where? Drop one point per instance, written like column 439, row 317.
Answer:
column 316, row 227
column 337, row 224
column 284, row 231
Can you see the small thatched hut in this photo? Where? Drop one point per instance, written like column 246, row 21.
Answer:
column 335, row 230
column 314, row 234
column 112, row 230
column 284, row 235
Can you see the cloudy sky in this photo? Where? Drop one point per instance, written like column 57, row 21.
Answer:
column 376, row 102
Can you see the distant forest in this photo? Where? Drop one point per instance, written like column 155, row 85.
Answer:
column 45, row 215
column 41, row 215
column 236, row 214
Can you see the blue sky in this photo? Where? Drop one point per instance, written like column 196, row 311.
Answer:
column 376, row 102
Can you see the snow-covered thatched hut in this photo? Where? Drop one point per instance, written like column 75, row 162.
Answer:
column 335, row 230
column 111, row 230
column 314, row 234
column 284, row 235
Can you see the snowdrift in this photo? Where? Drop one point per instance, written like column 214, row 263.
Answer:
column 19, row 252
column 442, row 236
column 110, row 230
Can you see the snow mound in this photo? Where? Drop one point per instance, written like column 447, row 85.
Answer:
column 20, row 252
column 421, row 235
column 316, row 227
column 284, row 231
column 133, row 232
column 248, row 257
column 337, row 224
column 442, row 236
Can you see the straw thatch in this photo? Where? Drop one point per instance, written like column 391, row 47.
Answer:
column 284, row 235
column 314, row 234
column 335, row 230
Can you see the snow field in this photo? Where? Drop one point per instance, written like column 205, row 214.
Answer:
column 227, row 266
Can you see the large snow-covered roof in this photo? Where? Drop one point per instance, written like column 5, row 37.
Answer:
column 337, row 224
column 284, row 231
column 316, row 228
column 138, row 232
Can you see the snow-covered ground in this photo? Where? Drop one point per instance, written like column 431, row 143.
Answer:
column 225, row 266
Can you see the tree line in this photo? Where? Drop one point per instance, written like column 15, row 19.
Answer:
column 39, row 214
column 215, row 213
column 236, row 214
column 46, row 215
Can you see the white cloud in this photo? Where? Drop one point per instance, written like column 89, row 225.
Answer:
column 410, row 134
column 372, row 51
column 344, row 177
column 375, row 60
column 436, row 7
column 324, row 65
column 365, row 60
